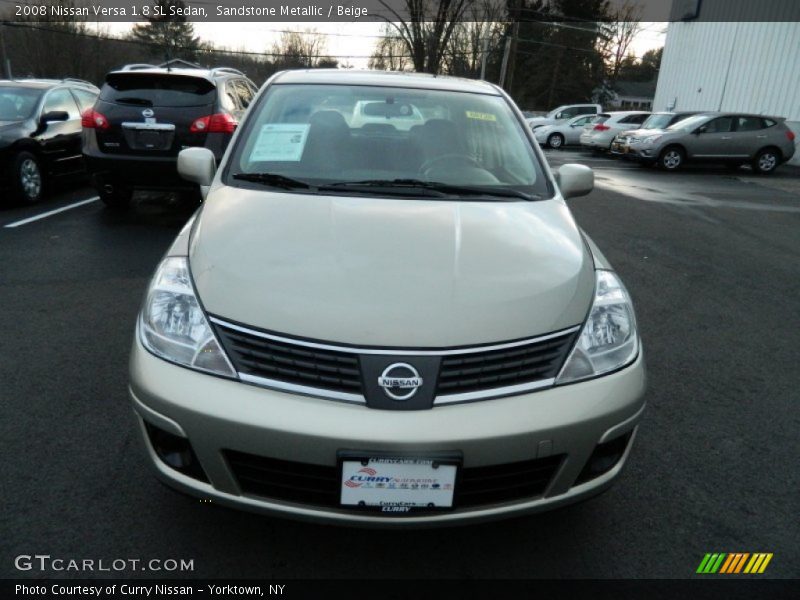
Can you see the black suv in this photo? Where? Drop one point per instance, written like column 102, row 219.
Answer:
column 40, row 133
column 146, row 115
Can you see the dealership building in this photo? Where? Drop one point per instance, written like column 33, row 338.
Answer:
column 733, row 55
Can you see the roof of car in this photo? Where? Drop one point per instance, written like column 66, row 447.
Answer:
column 386, row 78
column 45, row 84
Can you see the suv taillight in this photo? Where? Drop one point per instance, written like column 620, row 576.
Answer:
column 790, row 135
column 601, row 127
column 217, row 123
column 91, row 119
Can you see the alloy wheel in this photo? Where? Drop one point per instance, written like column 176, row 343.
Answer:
column 30, row 178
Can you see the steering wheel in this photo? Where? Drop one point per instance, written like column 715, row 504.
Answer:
column 453, row 158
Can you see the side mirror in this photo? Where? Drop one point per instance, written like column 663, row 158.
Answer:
column 54, row 115
column 700, row 130
column 197, row 165
column 575, row 180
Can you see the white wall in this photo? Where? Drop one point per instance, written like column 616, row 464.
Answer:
column 733, row 66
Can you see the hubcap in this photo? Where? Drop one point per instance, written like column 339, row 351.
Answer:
column 30, row 178
column 555, row 141
column 672, row 159
column 767, row 162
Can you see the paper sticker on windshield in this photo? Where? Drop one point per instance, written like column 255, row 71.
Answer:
column 280, row 142
column 481, row 116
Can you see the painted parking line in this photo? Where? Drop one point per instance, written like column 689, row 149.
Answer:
column 53, row 212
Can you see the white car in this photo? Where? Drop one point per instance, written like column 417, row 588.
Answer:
column 562, row 134
column 599, row 133
column 564, row 113
column 399, row 115
column 399, row 330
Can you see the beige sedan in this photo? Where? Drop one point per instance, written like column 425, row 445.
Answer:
column 386, row 327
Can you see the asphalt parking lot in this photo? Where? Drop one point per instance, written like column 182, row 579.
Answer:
column 711, row 258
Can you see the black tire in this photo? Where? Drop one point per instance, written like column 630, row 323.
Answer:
column 671, row 158
column 117, row 198
column 27, row 178
column 766, row 161
column 555, row 141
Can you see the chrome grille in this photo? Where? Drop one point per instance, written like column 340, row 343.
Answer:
column 335, row 371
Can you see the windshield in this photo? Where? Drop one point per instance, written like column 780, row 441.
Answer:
column 17, row 104
column 689, row 123
column 329, row 135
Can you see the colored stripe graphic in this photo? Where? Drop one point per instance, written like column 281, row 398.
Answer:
column 758, row 563
column 711, row 563
column 734, row 563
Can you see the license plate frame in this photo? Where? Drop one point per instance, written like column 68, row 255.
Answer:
column 400, row 501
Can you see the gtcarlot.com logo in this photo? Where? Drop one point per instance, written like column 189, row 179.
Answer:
column 734, row 563
column 45, row 562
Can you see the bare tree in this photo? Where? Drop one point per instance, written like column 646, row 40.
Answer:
column 425, row 27
column 301, row 49
column 617, row 36
column 481, row 30
column 390, row 52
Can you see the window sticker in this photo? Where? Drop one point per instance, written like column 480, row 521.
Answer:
column 280, row 142
column 481, row 116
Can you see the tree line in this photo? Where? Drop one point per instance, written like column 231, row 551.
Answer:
column 53, row 48
column 544, row 52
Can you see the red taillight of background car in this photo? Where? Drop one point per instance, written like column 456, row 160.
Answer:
column 790, row 135
column 601, row 127
column 91, row 119
column 217, row 123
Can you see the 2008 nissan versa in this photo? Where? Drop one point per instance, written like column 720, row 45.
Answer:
column 375, row 323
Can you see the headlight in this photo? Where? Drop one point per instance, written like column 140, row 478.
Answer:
column 609, row 339
column 173, row 326
column 652, row 139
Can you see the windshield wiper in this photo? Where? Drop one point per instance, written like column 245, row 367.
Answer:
column 139, row 101
column 272, row 179
column 437, row 186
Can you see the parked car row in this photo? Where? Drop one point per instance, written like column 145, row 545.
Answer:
column 671, row 139
column 127, row 134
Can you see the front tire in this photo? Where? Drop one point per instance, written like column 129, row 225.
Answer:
column 555, row 141
column 766, row 161
column 671, row 159
column 27, row 178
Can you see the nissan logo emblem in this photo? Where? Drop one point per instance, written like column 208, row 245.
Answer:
column 400, row 381
column 147, row 113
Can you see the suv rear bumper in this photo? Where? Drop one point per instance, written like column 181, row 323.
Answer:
column 141, row 171
column 135, row 171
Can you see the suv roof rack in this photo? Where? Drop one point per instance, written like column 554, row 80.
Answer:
column 216, row 70
column 179, row 63
column 137, row 66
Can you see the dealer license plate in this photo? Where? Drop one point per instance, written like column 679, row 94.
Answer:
column 398, row 485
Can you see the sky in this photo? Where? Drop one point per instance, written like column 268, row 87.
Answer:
column 355, row 40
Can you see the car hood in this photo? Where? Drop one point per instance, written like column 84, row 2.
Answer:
column 390, row 272
column 10, row 129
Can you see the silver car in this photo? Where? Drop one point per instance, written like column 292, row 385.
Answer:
column 598, row 134
column 562, row 134
column 381, row 326
column 658, row 120
column 728, row 138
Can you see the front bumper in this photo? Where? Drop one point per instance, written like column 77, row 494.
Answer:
column 218, row 415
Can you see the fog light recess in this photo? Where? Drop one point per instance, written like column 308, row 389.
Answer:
column 604, row 458
column 175, row 452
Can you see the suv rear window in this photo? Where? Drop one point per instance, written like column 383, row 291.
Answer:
column 147, row 89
